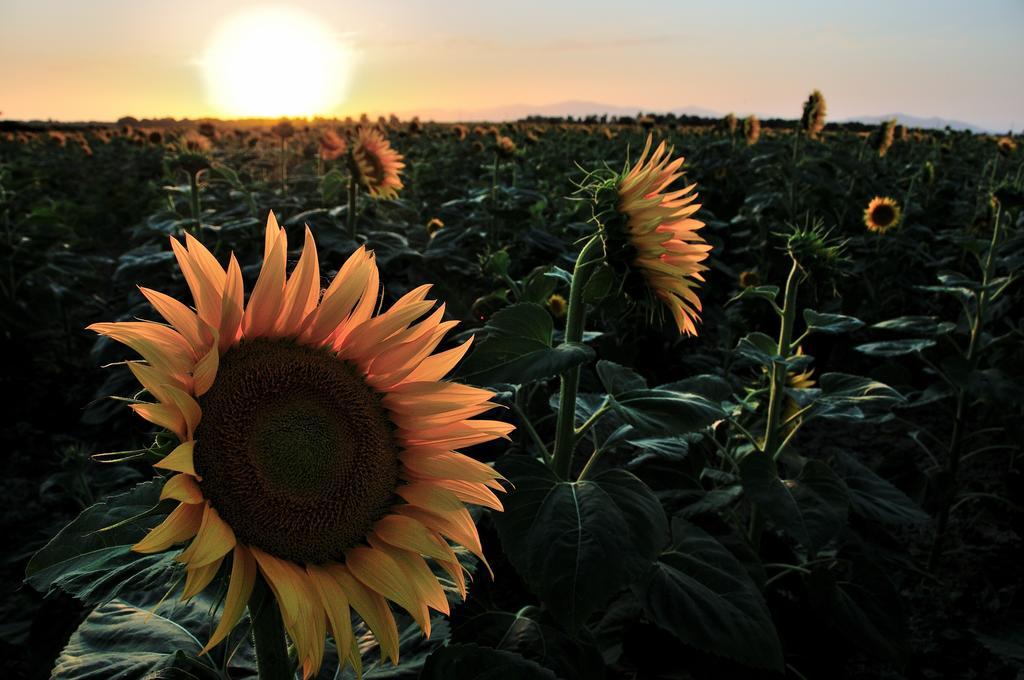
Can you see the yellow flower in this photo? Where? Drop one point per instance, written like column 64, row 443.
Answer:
column 557, row 305
column 378, row 165
column 663, row 233
column 317, row 443
column 504, row 146
column 882, row 214
column 433, row 226
column 332, row 145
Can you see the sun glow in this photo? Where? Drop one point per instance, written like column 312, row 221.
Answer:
column 273, row 62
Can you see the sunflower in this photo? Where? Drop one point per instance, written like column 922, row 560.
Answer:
column 332, row 145
column 377, row 164
column 663, row 234
column 317, row 443
column 882, row 214
column 813, row 119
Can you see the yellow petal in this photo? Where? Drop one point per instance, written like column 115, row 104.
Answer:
column 205, row 371
column 178, row 315
column 214, row 540
column 197, row 578
column 181, row 525
column 162, row 347
column 243, row 578
column 450, row 465
column 265, row 302
column 439, row 365
column 428, row 590
column 457, row 526
column 179, row 460
column 408, row 534
column 377, row 570
column 153, row 380
column 182, row 488
column 163, row 415
column 335, row 603
column 232, row 304
column 372, row 608
column 340, row 297
column 301, row 610
column 204, row 293
column 302, row 290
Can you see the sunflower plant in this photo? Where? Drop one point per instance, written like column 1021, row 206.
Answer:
column 310, row 457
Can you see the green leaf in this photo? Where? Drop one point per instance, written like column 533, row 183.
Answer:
column 578, row 543
column 119, row 641
column 759, row 348
column 333, row 187
column 895, row 348
column 617, row 378
column 853, row 397
column 535, row 640
column 856, row 598
column 91, row 557
column 538, row 286
column 875, row 498
column 916, row 325
column 473, row 662
column 762, row 292
column 831, row 323
column 811, row 508
column 600, row 283
column 663, row 412
column 1004, row 639
column 699, row 592
column 518, row 349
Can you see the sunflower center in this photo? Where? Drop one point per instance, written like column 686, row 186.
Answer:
column 295, row 450
column 883, row 215
column 377, row 174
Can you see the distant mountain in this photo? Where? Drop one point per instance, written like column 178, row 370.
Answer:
column 575, row 108
column 582, row 109
column 932, row 123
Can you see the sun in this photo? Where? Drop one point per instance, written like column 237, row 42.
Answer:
column 275, row 61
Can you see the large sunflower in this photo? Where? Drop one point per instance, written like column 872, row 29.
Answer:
column 377, row 164
column 317, row 443
column 663, row 233
column 882, row 214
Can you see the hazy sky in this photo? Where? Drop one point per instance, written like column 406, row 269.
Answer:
column 101, row 59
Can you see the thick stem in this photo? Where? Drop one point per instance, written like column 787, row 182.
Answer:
column 268, row 637
column 960, row 418
column 565, row 429
column 353, row 190
column 778, row 378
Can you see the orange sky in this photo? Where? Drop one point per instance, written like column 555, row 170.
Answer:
column 102, row 59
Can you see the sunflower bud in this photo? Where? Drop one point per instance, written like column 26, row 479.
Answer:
column 812, row 122
column 752, row 129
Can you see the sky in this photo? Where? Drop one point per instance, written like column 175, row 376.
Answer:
column 103, row 59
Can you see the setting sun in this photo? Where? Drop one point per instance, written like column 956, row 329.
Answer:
column 275, row 62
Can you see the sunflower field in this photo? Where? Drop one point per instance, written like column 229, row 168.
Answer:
column 653, row 397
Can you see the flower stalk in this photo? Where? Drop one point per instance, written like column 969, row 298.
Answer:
column 770, row 443
column 272, row 661
column 960, row 417
column 565, row 432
